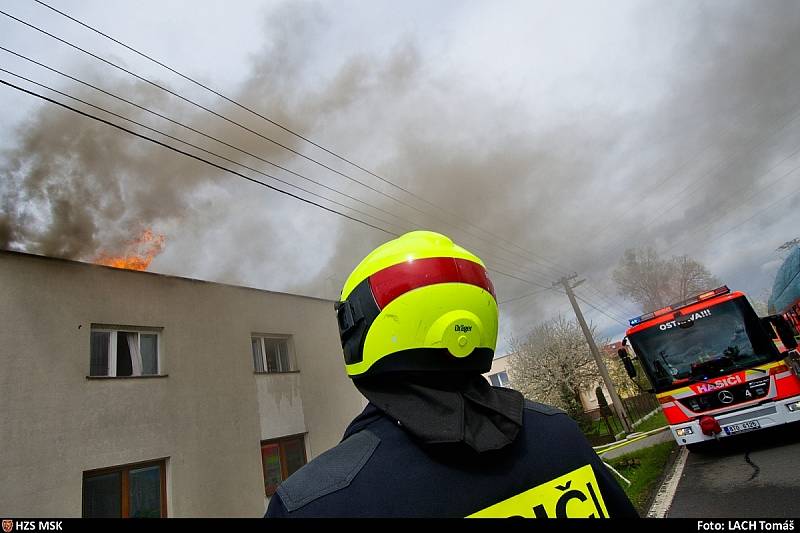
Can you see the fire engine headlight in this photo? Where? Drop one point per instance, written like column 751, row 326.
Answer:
column 682, row 432
column 793, row 406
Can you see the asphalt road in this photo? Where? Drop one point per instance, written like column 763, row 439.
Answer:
column 747, row 476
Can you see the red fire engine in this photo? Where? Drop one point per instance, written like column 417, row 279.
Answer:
column 717, row 368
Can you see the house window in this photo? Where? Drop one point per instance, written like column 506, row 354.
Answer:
column 280, row 458
column 124, row 352
column 499, row 379
column 129, row 491
column 272, row 354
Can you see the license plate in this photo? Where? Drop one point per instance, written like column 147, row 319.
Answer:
column 744, row 426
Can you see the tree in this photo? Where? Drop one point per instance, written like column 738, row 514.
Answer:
column 760, row 303
column 553, row 364
column 653, row 282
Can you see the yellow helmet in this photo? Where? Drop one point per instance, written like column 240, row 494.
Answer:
column 418, row 302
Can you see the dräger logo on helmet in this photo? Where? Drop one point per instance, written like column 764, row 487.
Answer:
column 718, row 384
column 463, row 329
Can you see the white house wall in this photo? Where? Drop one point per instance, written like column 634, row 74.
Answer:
column 280, row 405
column 207, row 416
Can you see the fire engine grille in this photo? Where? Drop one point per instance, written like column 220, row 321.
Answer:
column 752, row 390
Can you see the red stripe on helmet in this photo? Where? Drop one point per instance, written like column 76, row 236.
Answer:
column 396, row 280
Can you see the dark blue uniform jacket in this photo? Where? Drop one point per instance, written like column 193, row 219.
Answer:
column 379, row 470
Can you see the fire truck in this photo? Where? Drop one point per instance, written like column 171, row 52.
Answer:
column 716, row 367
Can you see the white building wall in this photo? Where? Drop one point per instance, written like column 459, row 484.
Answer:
column 280, row 405
column 500, row 364
column 207, row 416
column 589, row 397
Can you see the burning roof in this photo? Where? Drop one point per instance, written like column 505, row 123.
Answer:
column 138, row 253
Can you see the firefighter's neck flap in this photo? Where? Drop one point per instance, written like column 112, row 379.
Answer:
column 448, row 408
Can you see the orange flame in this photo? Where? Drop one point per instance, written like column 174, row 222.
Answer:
column 139, row 253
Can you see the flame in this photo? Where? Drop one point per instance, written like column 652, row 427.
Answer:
column 138, row 254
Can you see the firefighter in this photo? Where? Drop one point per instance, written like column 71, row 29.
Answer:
column 418, row 324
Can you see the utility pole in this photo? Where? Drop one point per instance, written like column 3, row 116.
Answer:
column 565, row 281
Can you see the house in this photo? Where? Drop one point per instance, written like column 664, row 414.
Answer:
column 128, row 393
column 589, row 395
column 498, row 374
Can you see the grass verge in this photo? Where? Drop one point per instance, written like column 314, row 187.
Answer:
column 654, row 422
column 644, row 469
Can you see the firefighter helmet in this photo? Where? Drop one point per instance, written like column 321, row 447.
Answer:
column 418, row 302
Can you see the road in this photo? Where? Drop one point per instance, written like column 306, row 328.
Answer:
column 749, row 476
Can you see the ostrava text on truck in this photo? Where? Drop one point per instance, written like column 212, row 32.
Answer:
column 716, row 367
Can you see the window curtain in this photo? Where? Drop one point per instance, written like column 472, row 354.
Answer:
column 258, row 358
column 136, row 354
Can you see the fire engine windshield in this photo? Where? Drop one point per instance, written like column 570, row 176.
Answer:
column 716, row 341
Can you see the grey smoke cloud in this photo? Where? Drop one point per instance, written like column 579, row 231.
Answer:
column 600, row 124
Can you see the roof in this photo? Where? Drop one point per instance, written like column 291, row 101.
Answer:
column 685, row 310
column 145, row 273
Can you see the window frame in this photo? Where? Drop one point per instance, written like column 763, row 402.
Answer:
column 262, row 337
column 498, row 376
column 503, row 382
column 282, row 456
column 111, row 370
column 124, row 470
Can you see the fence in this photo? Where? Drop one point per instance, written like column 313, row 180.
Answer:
column 639, row 406
column 602, row 424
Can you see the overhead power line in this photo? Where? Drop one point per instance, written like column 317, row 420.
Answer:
column 231, row 171
column 196, row 147
column 615, row 303
column 288, row 130
column 656, row 186
column 792, row 194
column 193, row 156
column 616, row 319
column 524, row 296
column 770, row 206
column 248, row 129
column 756, row 192
column 600, row 310
column 197, row 131
column 223, row 168
column 568, row 285
column 583, row 299
column 512, row 264
column 694, row 185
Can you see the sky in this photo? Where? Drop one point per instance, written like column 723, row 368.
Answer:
column 547, row 137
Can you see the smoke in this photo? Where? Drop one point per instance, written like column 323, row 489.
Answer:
column 79, row 188
column 75, row 188
column 737, row 101
column 563, row 141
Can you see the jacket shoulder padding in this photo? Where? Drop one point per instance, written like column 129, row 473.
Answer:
column 331, row 471
column 542, row 408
